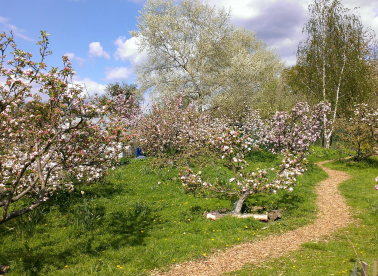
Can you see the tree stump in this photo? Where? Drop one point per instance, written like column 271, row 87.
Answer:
column 3, row 269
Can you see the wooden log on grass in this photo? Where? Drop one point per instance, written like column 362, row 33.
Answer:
column 260, row 217
column 272, row 215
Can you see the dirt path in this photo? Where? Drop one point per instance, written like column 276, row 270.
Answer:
column 333, row 214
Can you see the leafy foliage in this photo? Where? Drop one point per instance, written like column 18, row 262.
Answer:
column 358, row 134
column 194, row 49
column 337, row 62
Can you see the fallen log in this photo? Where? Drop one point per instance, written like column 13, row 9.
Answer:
column 271, row 215
column 260, row 217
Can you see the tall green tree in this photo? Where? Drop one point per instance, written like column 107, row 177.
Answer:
column 114, row 89
column 194, row 49
column 334, row 63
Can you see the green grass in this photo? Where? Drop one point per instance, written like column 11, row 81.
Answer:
column 138, row 219
column 318, row 153
column 335, row 255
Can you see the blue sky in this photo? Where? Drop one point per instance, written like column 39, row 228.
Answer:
column 95, row 33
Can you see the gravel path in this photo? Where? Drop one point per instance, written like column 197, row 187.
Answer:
column 333, row 214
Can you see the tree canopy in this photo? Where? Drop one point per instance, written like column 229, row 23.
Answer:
column 193, row 49
column 335, row 63
column 337, row 57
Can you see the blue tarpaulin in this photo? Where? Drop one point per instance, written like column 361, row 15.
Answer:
column 138, row 152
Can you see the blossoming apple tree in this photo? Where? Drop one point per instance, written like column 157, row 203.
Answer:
column 51, row 134
column 358, row 132
column 288, row 134
column 171, row 127
column 297, row 130
column 234, row 145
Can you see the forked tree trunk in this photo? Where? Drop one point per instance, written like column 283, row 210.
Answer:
column 240, row 202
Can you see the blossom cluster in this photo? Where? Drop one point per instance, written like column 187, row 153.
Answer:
column 294, row 131
column 247, row 183
column 48, row 145
column 358, row 132
column 233, row 145
column 172, row 127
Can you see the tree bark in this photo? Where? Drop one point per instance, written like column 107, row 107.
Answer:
column 240, row 202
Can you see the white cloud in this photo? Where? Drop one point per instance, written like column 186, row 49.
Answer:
column 3, row 19
column 368, row 12
column 118, row 73
column 16, row 31
column 90, row 86
column 128, row 49
column 248, row 9
column 96, row 50
column 279, row 22
column 72, row 57
column 241, row 9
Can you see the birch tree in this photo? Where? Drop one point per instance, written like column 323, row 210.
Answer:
column 194, row 49
column 333, row 64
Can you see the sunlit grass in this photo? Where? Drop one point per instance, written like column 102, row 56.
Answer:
column 138, row 219
column 336, row 255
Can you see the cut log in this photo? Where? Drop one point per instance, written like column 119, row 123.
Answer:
column 260, row 217
column 214, row 215
column 271, row 215
column 257, row 208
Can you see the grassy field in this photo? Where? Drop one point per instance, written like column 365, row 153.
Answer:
column 138, row 219
column 336, row 255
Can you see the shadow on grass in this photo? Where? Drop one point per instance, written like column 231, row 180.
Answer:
column 120, row 230
column 366, row 163
column 130, row 230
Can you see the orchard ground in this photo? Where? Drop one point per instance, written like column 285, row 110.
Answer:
column 139, row 218
column 337, row 254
